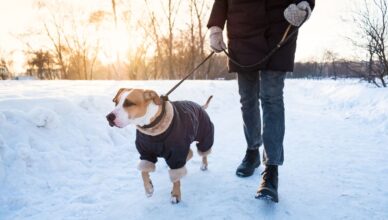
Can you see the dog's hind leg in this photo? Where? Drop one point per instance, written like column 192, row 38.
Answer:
column 204, row 155
column 148, row 187
column 204, row 163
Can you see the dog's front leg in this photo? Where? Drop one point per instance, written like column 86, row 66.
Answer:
column 148, row 187
column 146, row 167
column 176, row 192
column 175, row 177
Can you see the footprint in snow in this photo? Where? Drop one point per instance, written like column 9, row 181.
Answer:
column 43, row 118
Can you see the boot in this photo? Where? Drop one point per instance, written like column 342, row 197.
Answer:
column 268, row 188
column 250, row 162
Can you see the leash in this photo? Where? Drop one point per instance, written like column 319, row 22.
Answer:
column 281, row 43
column 285, row 38
column 165, row 97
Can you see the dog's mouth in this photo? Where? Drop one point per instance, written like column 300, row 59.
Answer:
column 112, row 124
column 113, row 121
column 118, row 125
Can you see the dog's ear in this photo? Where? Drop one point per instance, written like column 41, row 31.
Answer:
column 115, row 99
column 152, row 95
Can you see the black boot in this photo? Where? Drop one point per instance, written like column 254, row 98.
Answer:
column 250, row 162
column 268, row 188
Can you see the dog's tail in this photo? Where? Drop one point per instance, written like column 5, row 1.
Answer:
column 207, row 103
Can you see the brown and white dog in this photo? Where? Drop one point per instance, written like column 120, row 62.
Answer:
column 164, row 129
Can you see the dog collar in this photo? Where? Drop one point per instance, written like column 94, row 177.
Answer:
column 157, row 119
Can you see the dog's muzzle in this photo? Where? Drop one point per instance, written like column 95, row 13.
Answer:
column 111, row 117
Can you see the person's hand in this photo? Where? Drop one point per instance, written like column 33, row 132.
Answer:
column 217, row 43
column 296, row 14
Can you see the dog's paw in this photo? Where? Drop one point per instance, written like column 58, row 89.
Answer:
column 175, row 199
column 203, row 167
column 149, row 190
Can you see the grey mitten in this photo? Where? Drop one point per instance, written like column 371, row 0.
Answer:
column 297, row 14
column 217, row 43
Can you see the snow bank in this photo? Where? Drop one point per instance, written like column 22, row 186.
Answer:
column 353, row 99
column 59, row 159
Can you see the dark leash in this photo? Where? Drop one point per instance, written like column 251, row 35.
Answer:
column 286, row 37
column 165, row 97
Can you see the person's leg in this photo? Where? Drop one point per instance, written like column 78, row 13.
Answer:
column 249, row 89
column 271, row 95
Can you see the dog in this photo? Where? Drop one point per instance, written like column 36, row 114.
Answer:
column 164, row 129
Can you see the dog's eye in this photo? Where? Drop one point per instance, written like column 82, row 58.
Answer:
column 128, row 103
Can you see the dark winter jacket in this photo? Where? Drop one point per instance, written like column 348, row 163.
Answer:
column 190, row 123
column 254, row 28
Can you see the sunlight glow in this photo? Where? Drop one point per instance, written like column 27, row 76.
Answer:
column 116, row 43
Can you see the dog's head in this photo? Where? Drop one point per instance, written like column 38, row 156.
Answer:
column 134, row 106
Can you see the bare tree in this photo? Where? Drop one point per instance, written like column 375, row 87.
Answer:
column 84, row 50
column 74, row 50
column 171, row 15
column 116, row 67
column 6, row 63
column 330, row 57
column 4, row 72
column 372, row 23
column 56, row 37
column 41, row 65
column 152, row 30
column 201, row 9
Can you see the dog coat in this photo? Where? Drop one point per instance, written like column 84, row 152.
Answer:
column 190, row 123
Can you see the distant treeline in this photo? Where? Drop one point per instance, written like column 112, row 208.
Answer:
column 334, row 70
column 42, row 66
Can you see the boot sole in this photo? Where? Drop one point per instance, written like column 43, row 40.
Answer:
column 267, row 194
column 241, row 174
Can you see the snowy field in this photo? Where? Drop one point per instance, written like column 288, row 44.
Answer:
column 59, row 159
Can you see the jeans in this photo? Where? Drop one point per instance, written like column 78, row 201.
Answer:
column 266, row 86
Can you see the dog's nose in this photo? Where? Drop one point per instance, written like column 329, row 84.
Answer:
column 111, row 117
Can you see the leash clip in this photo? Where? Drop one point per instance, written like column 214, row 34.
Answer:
column 164, row 98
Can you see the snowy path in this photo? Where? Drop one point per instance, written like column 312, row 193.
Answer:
column 60, row 160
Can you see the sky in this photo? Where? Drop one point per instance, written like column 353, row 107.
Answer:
column 328, row 29
column 325, row 30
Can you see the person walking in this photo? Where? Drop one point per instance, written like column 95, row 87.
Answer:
column 254, row 28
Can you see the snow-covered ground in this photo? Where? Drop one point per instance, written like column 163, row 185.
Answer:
column 59, row 159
